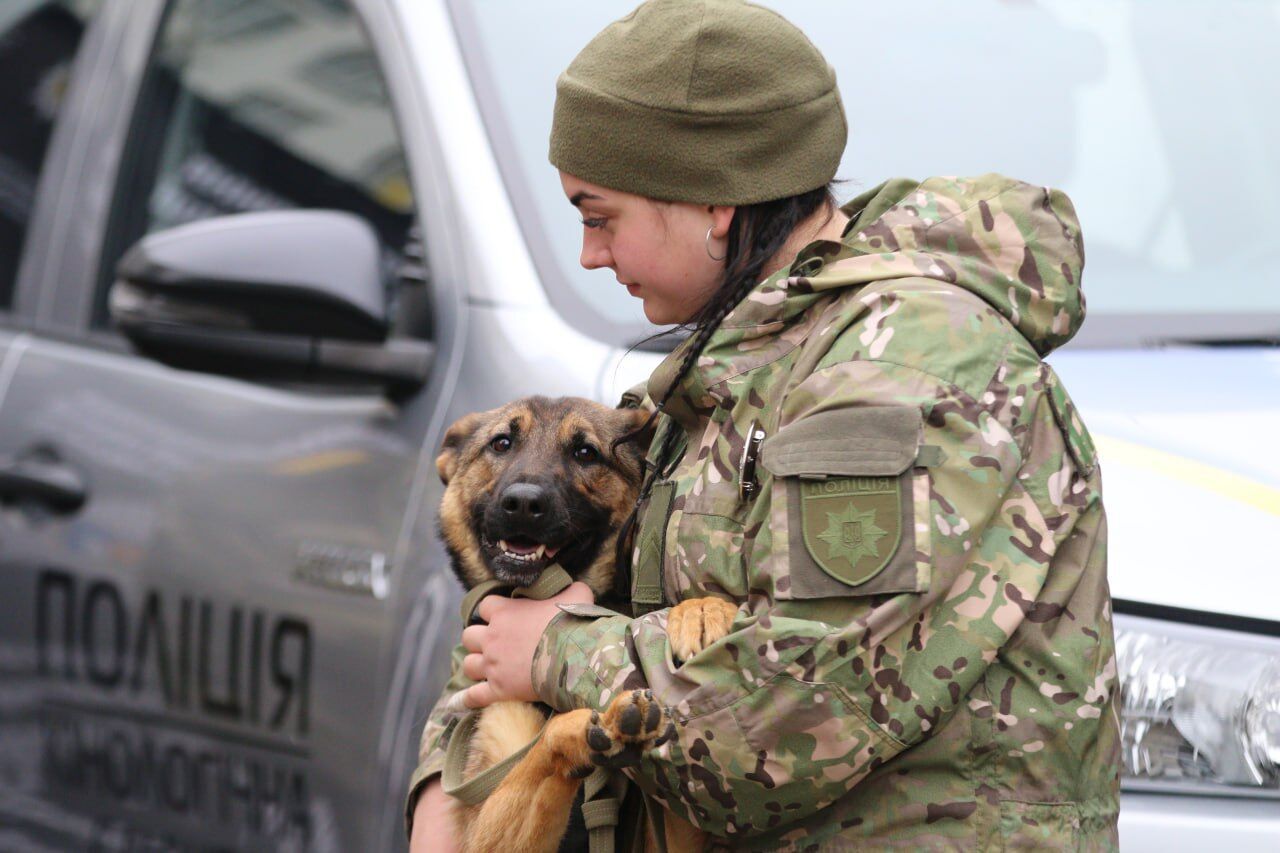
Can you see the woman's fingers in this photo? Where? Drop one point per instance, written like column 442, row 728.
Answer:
column 576, row 593
column 473, row 637
column 490, row 605
column 479, row 696
column 501, row 653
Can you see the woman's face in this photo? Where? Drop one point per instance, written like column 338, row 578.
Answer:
column 657, row 250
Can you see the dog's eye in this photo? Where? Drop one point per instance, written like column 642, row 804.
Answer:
column 586, row 453
column 500, row 444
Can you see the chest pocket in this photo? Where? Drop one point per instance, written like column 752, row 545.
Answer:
column 854, row 483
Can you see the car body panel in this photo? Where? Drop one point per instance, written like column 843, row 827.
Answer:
column 218, row 600
column 1154, row 823
column 1192, row 493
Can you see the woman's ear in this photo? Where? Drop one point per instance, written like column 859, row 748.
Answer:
column 721, row 219
column 454, row 439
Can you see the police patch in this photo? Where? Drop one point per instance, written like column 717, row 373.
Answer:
column 851, row 525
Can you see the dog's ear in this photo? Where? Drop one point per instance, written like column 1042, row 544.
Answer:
column 454, row 438
column 638, row 429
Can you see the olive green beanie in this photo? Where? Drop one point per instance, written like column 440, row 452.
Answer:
column 704, row 101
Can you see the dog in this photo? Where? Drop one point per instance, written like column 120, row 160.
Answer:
column 535, row 482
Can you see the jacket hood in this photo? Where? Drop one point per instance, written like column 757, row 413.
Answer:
column 1015, row 245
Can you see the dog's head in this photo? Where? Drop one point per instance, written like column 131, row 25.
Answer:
column 537, row 482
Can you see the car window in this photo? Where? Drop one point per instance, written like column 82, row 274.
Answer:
column 251, row 106
column 38, row 42
column 1150, row 115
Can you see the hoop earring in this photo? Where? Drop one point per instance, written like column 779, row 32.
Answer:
column 707, row 242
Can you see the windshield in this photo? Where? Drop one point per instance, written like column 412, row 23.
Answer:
column 1157, row 118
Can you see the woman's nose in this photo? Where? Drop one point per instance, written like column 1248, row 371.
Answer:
column 594, row 255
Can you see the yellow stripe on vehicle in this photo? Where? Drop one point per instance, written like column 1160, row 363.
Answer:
column 314, row 463
column 1217, row 480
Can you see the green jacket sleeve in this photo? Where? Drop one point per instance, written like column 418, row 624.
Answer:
column 806, row 696
column 430, row 749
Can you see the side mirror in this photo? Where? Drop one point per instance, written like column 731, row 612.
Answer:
column 291, row 295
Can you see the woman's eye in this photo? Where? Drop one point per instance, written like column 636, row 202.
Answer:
column 500, row 444
column 586, row 453
column 595, row 222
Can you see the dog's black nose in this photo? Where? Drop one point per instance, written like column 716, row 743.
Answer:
column 524, row 502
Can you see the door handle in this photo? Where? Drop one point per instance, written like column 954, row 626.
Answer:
column 42, row 476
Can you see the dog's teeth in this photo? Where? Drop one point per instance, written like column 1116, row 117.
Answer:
column 542, row 549
column 502, row 543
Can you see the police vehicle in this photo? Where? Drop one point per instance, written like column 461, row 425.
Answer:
column 256, row 254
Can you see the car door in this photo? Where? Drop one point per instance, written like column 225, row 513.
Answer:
column 197, row 620
column 43, row 45
column 40, row 42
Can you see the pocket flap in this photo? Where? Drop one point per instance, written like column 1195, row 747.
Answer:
column 874, row 441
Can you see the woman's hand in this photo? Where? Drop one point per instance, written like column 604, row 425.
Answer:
column 501, row 652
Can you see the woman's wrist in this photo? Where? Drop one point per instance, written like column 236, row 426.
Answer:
column 433, row 825
column 538, row 664
column 582, row 653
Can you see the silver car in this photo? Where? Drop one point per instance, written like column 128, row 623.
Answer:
column 255, row 256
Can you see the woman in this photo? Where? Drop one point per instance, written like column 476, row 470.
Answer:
column 922, row 653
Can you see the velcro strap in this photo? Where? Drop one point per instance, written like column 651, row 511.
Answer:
column 646, row 574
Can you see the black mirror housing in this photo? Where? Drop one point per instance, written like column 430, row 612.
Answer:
column 292, row 295
column 306, row 273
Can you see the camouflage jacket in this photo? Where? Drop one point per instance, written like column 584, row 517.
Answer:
column 923, row 654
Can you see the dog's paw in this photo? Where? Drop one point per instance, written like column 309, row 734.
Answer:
column 632, row 723
column 695, row 624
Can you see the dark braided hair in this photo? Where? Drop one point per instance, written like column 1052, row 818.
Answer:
column 756, row 234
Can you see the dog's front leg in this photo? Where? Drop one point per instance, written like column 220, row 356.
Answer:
column 529, row 810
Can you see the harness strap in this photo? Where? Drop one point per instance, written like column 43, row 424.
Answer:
column 477, row 789
column 646, row 574
column 600, row 813
column 651, row 537
column 471, row 600
column 552, row 581
column 656, row 823
column 603, row 790
column 601, row 806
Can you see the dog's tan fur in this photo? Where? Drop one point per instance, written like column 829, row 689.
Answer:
column 530, row 809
